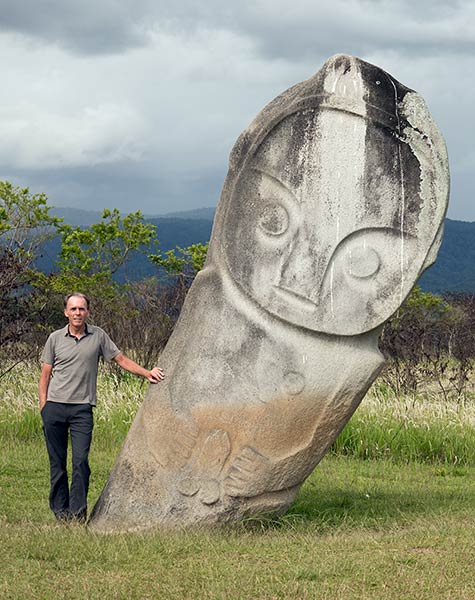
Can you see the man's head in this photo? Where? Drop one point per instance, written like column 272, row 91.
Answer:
column 78, row 295
column 76, row 309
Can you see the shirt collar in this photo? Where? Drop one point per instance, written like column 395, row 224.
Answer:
column 68, row 334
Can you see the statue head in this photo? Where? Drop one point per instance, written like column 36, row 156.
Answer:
column 335, row 199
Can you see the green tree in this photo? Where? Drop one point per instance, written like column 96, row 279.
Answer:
column 183, row 263
column 25, row 223
column 89, row 257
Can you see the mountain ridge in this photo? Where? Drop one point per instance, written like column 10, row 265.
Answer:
column 453, row 271
column 79, row 217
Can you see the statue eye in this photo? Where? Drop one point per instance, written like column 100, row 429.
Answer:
column 362, row 262
column 274, row 219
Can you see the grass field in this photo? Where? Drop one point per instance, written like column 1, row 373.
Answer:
column 374, row 521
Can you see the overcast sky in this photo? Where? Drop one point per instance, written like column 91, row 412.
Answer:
column 136, row 104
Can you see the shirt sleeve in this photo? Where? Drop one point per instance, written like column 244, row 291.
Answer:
column 47, row 356
column 108, row 349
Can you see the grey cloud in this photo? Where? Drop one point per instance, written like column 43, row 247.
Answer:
column 222, row 60
column 307, row 29
column 363, row 27
column 124, row 186
column 86, row 27
column 277, row 29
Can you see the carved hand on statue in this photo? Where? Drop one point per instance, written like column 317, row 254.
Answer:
column 206, row 466
column 249, row 474
column 170, row 438
column 181, row 443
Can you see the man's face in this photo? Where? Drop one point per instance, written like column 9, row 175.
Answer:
column 76, row 311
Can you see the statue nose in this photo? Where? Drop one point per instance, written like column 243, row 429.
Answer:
column 303, row 269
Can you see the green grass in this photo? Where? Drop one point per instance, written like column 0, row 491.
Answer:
column 388, row 514
column 358, row 529
column 368, row 436
column 119, row 397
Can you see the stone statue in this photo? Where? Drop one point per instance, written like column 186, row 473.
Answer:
column 332, row 207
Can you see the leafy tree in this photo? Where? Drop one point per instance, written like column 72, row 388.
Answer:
column 413, row 323
column 184, row 265
column 89, row 257
column 104, row 246
column 24, row 223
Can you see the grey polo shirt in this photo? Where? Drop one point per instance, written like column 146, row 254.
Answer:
column 75, row 363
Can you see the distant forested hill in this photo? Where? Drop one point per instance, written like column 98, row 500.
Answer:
column 78, row 216
column 454, row 270
column 171, row 232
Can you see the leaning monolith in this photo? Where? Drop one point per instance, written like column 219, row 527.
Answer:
column 332, row 207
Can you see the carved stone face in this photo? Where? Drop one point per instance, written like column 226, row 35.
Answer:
column 323, row 228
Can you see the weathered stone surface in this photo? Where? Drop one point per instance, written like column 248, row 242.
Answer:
column 332, row 208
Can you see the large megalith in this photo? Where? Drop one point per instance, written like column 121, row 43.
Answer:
column 332, row 207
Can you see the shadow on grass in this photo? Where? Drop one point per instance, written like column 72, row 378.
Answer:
column 407, row 493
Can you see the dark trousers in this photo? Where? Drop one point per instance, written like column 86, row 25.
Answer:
column 59, row 420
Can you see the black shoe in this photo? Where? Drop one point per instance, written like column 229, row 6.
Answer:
column 79, row 517
column 63, row 516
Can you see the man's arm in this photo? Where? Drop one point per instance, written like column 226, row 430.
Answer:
column 43, row 385
column 154, row 376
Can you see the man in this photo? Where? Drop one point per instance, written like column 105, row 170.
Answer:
column 67, row 391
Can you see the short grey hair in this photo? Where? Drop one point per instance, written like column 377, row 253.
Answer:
column 79, row 295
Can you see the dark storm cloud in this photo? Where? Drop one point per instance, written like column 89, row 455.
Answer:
column 361, row 31
column 293, row 30
column 117, row 101
column 86, row 27
column 278, row 29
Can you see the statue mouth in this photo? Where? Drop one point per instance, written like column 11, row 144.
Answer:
column 296, row 300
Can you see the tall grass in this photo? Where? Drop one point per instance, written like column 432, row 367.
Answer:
column 422, row 428
column 119, row 396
